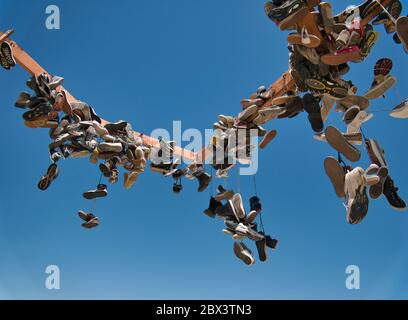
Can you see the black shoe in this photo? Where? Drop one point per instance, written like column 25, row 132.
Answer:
column 292, row 108
column 214, row 204
column 255, row 204
column 177, row 188
column 288, row 13
column 390, row 192
column 99, row 192
column 312, row 107
column 204, row 180
column 271, row 243
column 322, row 86
column 115, row 127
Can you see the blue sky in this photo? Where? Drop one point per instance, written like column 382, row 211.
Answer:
column 152, row 63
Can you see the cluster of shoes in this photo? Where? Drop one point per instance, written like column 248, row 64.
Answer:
column 7, row 60
column 351, row 183
column 240, row 225
column 320, row 48
column 77, row 131
column 163, row 161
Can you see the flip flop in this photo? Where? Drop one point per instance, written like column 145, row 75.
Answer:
column 335, row 139
column 336, row 174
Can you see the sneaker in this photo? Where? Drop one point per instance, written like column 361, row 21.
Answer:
column 402, row 31
column 322, row 86
column 22, row 100
column 352, row 100
column 93, row 223
column 246, row 103
column 351, row 114
column 115, row 147
column 255, row 204
column 340, row 144
column 224, row 194
column 85, row 216
column 247, row 113
column 312, row 108
column 326, row 13
column 289, row 13
column 248, row 232
column 292, row 108
column 271, row 243
column 41, row 110
column 376, row 153
column 204, row 180
column 400, row 111
column 236, row 203
column 391, row 193
column 262, row 249
column 7, row 53
column 356, row 197
column 99, row 192
column 336, row 174
column 378, row 89
column 353, row 138
column 355, row 125
column 383, row 67
column 49, row 177
column 211, row 211
column 243, row 253
column 377, row 189
column 3, row 62
column 370, row 39
column 268, row 138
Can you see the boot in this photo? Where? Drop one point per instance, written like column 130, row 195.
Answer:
column 204, row 180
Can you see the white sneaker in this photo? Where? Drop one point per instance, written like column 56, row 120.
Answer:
column 361, row 117
column 356, row 196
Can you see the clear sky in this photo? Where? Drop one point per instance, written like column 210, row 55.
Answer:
column 152, row 62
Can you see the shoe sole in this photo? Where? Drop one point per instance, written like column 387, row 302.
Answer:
column 293, row 18
column 336, row 174
column 402, row 31
column 340, row 144
column 326, row 13
column 337, row 59
column 8, row 54
column 268, row 138
column 368, row 45
column 262, row 250
column 94, row 195
column 375, row 153
column 377, row 190
column 400, row 112
column 239, row 253
column 379, row 90
column 352, row 100
column 359, row 208
column 296, row 38
column 324, row 87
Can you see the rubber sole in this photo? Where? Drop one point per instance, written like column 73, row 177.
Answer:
column 268, row 138
column 326, row 87
column 336, row 174
column 41, row 110
column 335, row 138
column 333, row 59
column 296, row 38
column 376, row 190
column 379, row 90
column 402, row 31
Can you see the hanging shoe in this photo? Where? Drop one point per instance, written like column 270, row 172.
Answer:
column 391, row 193
column 93, row 223
column 400, row 111
column 99, row 192
column 248, row 232
column 255, row 204
column 224, row 194
column 292, row 108
column 326, row 13
column 376, row 153
column 355, row 125
column 22, row 100
column 289, row 13
column 370, row 39
column 262, row 249
column 312, row 108
column 340, row 144
column 323, row 86
column 352, row 100
column 3, row 62
column 236, row 203
column 7, row 53
column 268, row 138
column 49, row 177
column 356, row 197
column 211, row 211
column 243, row 253
column 336, row 174
column 402, row 31
column 204, row 180
column 41, row 110
column 378, row 89
column 377, row 189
